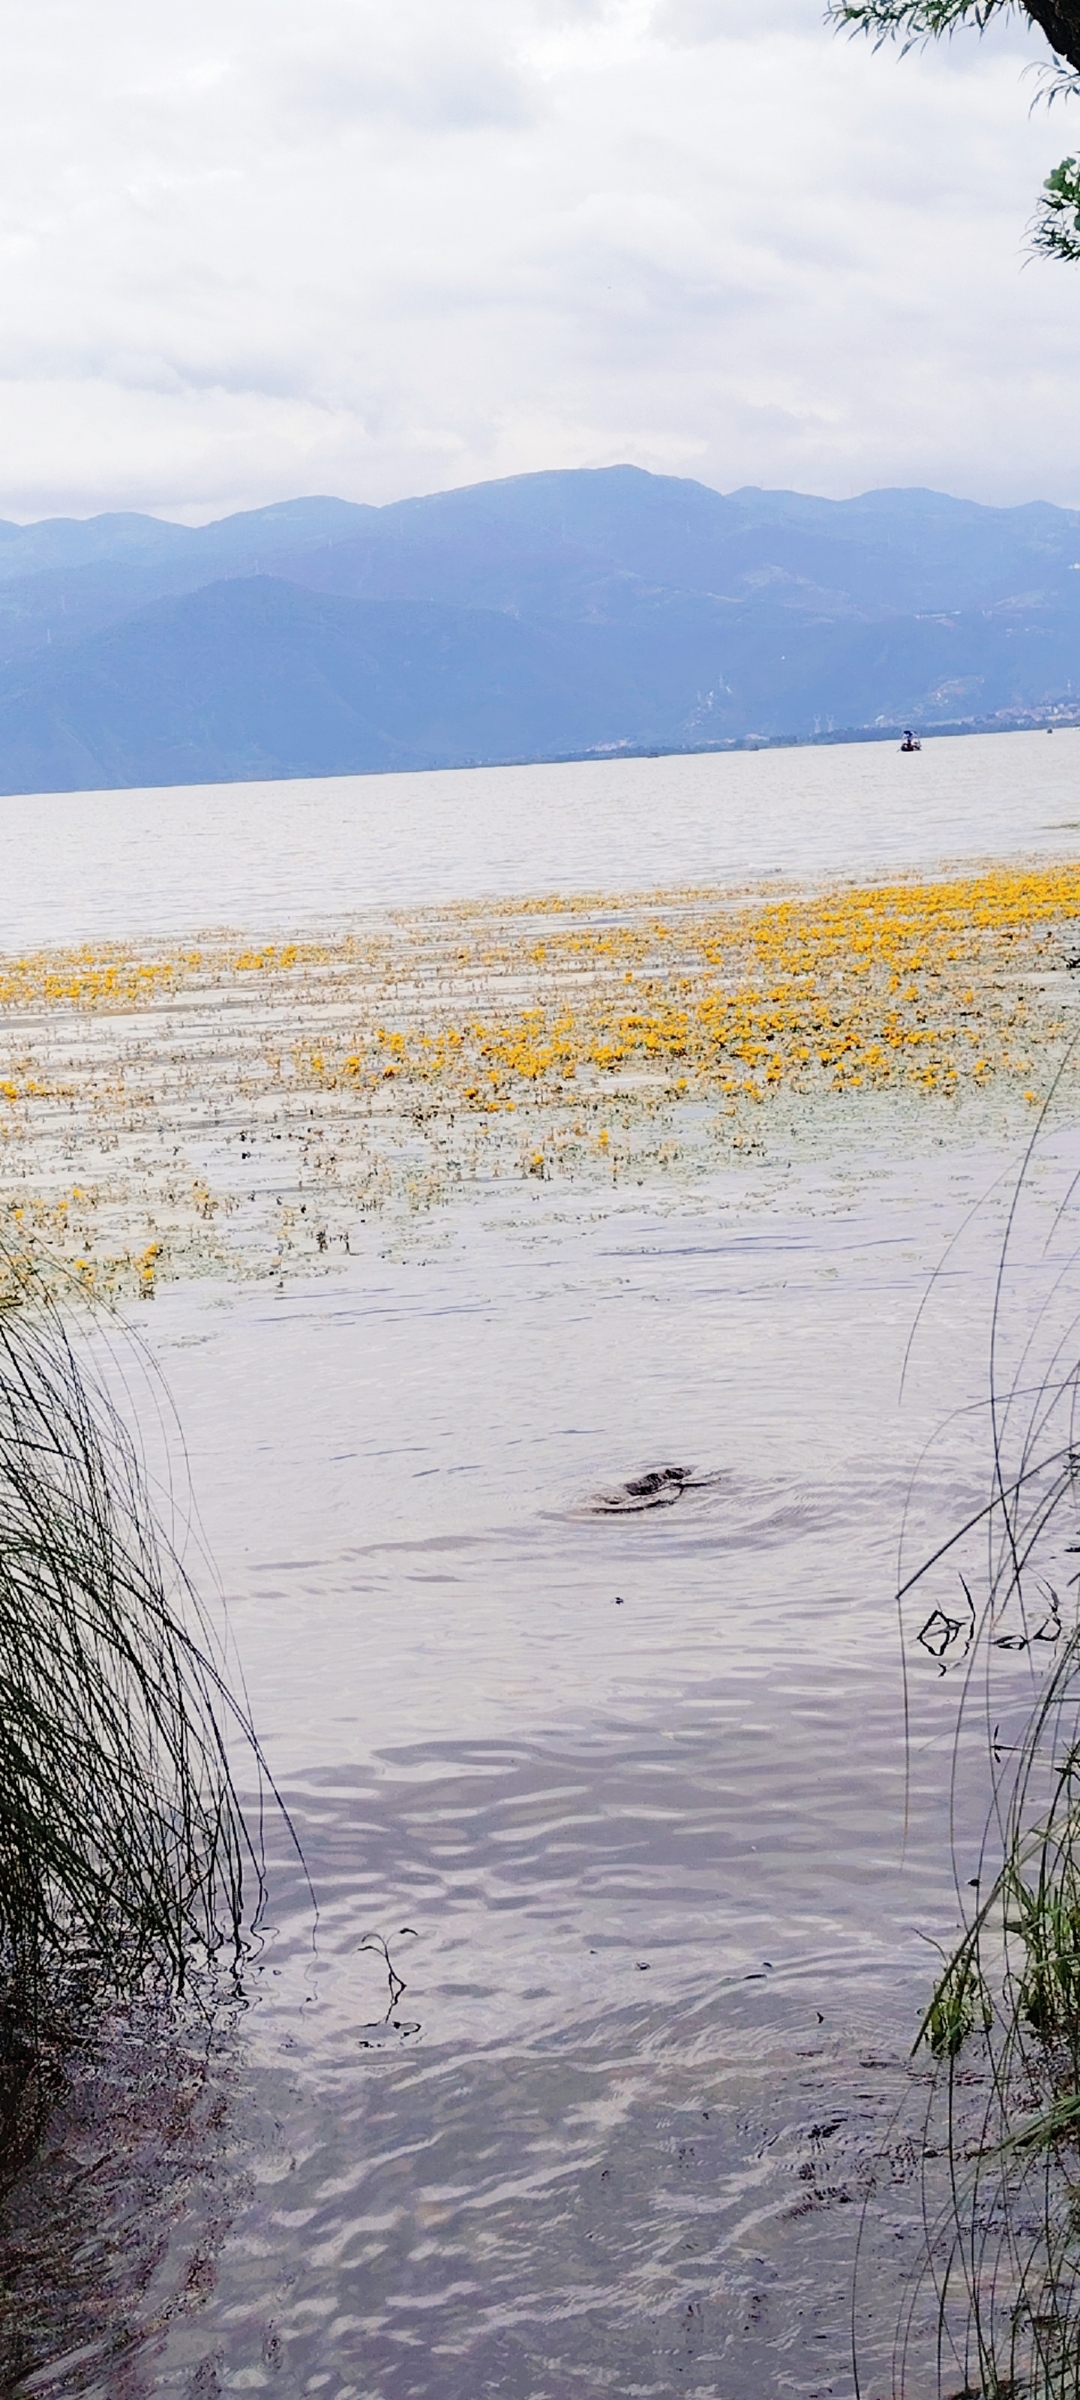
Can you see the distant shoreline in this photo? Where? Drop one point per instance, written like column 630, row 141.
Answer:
column 1063, row 718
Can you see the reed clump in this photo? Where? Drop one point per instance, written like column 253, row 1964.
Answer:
column 1002, row 2028
column 124, row 1854
column 1005, row 2254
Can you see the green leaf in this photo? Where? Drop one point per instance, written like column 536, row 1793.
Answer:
column 1056, row 230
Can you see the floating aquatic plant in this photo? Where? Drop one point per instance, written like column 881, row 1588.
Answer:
column 574, row 1038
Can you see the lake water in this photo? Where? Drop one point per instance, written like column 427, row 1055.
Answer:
column 624, row 1792
column 91, row 866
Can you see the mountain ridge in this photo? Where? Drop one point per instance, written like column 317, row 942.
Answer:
column 539, row 616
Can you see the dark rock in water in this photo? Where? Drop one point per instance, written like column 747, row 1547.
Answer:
column 660, row 1487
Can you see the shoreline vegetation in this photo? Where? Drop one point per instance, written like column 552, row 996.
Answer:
column 244, row 1107
column 994, row 2311
column 126, row 1863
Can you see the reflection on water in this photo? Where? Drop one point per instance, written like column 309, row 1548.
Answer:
column 606, row 2217
column 114, row 2233
column 597, row 2050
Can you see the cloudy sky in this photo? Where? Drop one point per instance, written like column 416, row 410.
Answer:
column 250, row 248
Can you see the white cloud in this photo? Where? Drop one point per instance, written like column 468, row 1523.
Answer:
column 248, row 250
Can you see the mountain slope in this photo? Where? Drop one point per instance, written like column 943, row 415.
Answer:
column 536, row 617
column 256, row 677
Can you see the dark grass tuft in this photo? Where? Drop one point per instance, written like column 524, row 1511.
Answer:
column 125, row 1860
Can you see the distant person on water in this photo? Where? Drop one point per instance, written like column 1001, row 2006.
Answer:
column 909, row 741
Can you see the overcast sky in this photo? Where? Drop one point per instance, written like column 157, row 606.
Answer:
column 252, row 248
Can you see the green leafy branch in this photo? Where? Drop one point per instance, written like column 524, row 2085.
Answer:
column 913, row 20
column 1055, row 232
column 1056, row 229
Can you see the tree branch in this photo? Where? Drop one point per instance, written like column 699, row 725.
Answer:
column 1060, row 21
column 924, row 20
column 1056, row 227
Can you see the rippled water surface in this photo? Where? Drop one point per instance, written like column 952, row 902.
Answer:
column 617, row 1792
column 559, row 1541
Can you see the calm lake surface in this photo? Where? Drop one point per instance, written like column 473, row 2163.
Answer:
column 621, row 1794
column 92, row 866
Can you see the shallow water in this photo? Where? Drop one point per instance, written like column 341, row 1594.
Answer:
column 625, row 1854
column 623, row 1793
column 81, row 866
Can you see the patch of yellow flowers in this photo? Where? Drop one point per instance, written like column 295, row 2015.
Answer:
column 294, row 1087
column 111, row 977
column 922, row 984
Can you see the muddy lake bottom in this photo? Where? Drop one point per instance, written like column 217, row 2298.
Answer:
column 567, row 1616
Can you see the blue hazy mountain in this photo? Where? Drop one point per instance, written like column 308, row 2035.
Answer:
column 538, row 617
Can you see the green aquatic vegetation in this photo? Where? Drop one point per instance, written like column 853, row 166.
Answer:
column 960, row 2002
column 125, row 1861
column 1046, row 1922
column 997, row 2053
column 1003, row 2028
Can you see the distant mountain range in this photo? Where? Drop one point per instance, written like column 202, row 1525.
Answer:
column 543, row 617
